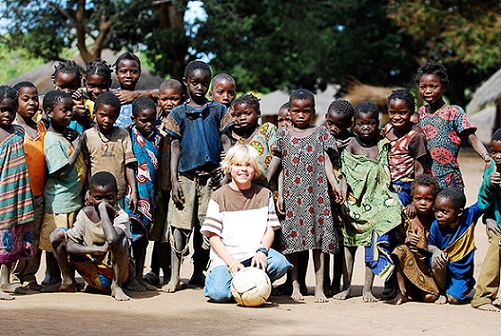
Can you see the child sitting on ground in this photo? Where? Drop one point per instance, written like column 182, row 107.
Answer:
column 373, row 209
column 489, row 198
column 240, row 224
column 452, row 244
column 223, row 90
column 99, row 228
column 414, row 277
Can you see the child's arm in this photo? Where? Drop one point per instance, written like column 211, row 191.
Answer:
column 280, row 199
column 74, row 248
column 176, row 190
column 77, row 149
column 217, row 245
column 105, row 212
column 130, row 174
column 273, row 168
column 260, row 259
column 439, row 257
column 477, row 145
column 127, row 96
column 329, row 171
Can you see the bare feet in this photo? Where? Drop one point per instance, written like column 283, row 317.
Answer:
column 34, row 286
column 51, row 280
column 172, row 286
column 6, row 296
column 489, row 307
column 147, row 285
column 16, row 289
column 367, row 296
column 320, row 297
column 442, row 299
column 135, row 286
column 342, row 295
column 60, row 287
column 118, row 293
column 398, row 299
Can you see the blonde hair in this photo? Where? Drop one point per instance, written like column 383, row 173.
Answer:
column 241, row 154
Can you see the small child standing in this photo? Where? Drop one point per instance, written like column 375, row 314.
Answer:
column 303, row 151
column 66, row 176
column 240, row 224
column 452, row 244
column 373, row 209
column 444, row 126
column 223, row 90
column 99, row 228
column 97, row 80
column 197, row 128
column 128, row 70
column 34, row 135
column 414, row 277
column 408, row 144
column 489, row 198
column 16, row 204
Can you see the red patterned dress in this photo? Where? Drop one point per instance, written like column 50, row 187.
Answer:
column 308, row 223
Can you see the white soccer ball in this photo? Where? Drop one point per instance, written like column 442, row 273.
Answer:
column 251, row 287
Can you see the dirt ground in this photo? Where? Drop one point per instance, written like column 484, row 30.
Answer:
column 187, row 312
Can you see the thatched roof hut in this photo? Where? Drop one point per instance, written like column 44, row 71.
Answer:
column 488, row 92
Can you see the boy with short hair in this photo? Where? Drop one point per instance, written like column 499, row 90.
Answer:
column 197, row 129
column 452, row 245
column 100, row 228
column 489, row 198
column 223, row 89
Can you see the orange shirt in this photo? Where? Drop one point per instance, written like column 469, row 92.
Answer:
column 37, row 169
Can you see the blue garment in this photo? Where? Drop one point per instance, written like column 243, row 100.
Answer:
column 199, row 133
column 218, row 281
column 124, row 118
column 458, row 243
column 403, row 190
column 378, row 254
column 74, row 125
column 489, row 195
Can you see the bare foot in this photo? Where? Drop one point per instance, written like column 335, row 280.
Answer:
column 135, row 286
column 398, row 299
column 442, row 299
column 50, row 280
column 335, row 289
column 16, row 289
column 489, row 307
column 118, row 293
column 60, row 287
column 342, row 295
column 296, row 295
column 6, row 296
column 147, row 285
column 320, row 297
column 34, row 286
column 496, row 302
column 367, row 296
column 172, row 286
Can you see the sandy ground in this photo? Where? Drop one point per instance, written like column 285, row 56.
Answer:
column 187, row 312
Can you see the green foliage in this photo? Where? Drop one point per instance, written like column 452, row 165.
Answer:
column 15, row 63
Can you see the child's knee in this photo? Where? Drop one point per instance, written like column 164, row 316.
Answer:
column 57, row 236
column 121, row 245
column 277, row 265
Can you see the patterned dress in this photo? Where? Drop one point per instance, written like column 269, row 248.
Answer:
column 308, row 221
column 443, row 135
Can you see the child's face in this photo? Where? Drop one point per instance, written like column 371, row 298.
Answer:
column 7, row 112
column 168, row 99
column 423, row 198
column 431, row 89
column 445, row 213
column 496, row 152
column 67, row 82
column 242, row 174
column 101, row 194
column 62, row 113
column 366, row 126
column 28, row 102
column 245, row 116
column 106, row 115
column 95, row 85
column 223, row 91
column 198, row 84
column 128, row 74
column 145, row 121
column 399, row 113
column 301, row 111
column 283, row 119
column 337, row 124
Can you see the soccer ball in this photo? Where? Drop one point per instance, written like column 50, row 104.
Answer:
column 251, row 287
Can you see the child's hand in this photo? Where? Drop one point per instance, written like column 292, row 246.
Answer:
column 492, row 225
column 77, row 97
column 126, row 96
column 71, row 135
column 439, row 259
column 495, row 177
column 88, row 198
column 260, row 261
column 235, row 268
column 177, row 193
column 410, row 211
column 80, row 112
column 280, row 205
column 341, row 144
column 413, row 239
column 133, row 202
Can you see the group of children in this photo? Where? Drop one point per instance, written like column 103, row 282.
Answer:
column 99, row 173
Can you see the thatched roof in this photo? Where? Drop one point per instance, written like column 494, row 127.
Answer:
column 40, row 76
column 488, row 92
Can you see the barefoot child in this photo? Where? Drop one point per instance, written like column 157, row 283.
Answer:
column 16, row 204
column 34, row 134
column 197, row 128
column 373, row 209
column 414, row 277
column 303, row 150
column 444, row 126
column 223, row 89
column 147, row 144
column 452, row 245
column 66, row 175
column 489, row 198
column 407, row 141
column 240, row 224
column 98, row 245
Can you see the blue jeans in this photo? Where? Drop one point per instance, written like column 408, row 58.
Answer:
column 218, row 281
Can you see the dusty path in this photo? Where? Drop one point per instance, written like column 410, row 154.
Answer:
column 188, row 313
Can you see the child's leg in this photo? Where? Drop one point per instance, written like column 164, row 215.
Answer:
column 339, row 270
column 318, row 262
column 367, row 291
column 5, row 282
column 349, row 257
column 401, row 294
column 120, row 261
column 137, row 283
column 164, row 257
column 200, row 258
column 440, row 275
column 52, row 273
column 303, row 260
column 179, row 242
column 277, row 265
column 327, row 276
column 153, row 276
column 218, row 284
column 296, row 293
